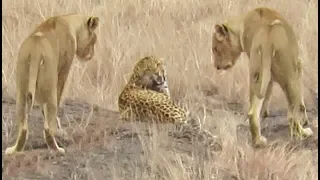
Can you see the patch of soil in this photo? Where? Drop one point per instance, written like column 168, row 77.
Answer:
column 98, row 143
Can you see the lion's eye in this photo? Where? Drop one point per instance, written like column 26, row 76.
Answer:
column 215, row 49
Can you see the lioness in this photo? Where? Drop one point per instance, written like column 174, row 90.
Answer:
column 43, row 65
column 270, row 43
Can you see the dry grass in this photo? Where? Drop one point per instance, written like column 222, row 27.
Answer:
column 179, row 31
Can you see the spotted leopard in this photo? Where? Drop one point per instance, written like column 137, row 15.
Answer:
column 146, row 97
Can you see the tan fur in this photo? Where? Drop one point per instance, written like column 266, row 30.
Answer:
column 44, row 62
column 270, row 43
column 141, row 101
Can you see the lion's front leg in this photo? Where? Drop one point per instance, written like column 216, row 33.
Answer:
column 61, row 88
column 62, row 85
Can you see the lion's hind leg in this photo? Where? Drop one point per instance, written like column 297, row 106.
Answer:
column 24, row 106
column 295, row 118
column 295, row 126
column 296, row 110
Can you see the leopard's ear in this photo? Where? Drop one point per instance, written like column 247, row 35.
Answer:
column 162, row 62
column 93, row 23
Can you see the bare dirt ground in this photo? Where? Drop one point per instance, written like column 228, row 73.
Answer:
column 100, row 146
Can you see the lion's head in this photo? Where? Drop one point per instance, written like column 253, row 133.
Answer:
column 87, row 38
column 226, row 47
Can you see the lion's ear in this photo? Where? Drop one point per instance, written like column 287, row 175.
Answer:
column 221, row 32
column 93, row 23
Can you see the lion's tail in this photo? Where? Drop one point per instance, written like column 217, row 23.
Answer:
column 268, row 51
column 27, row 74
column 265, row 70
column 35, row 60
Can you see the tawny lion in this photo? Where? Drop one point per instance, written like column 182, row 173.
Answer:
column 270, row 43
column 43, row 65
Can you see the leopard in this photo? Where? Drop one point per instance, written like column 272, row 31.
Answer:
column 44, row 61
column 269, row 42
column 146, row 97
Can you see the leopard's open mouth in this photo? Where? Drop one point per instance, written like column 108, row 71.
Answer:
column 161, row 84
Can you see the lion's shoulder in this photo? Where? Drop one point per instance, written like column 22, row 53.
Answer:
column 264, row 16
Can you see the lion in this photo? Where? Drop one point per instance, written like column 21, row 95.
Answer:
column 44, row 61
column 270, row 43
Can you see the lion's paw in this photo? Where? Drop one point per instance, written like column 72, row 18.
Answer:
column 260, row 142
column 11, row 151
column 307, row 132
column 61, row 150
